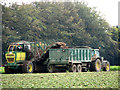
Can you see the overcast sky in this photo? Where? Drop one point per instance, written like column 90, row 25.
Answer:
column 108, row 8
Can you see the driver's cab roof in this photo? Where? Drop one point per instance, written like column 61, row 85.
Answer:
column 96, row 49
column 21, row 42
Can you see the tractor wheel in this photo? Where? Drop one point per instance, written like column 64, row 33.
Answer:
column 107, row 67
column 28, row 67
column 50, row 68
column 7, row 70
column 96, row 65
column 79, row 68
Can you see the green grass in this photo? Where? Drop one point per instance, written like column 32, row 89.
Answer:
column 2, row 70
column 61, row 80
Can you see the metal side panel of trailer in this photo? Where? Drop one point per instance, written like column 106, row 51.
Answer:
column 59, row 56
column 80, row 55
column 70, row 55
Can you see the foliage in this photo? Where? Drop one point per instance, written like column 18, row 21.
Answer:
column 2, row 70
column 113, row 68
column 114, row 34
column 61, row 80
column 73, row 23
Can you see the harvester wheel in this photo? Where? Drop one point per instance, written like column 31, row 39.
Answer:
column 50, row 68
column 96, row 65
column 79, row 68
column 28, row 67
column 107, row 67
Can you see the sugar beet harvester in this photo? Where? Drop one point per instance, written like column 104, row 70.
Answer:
column 29, row 57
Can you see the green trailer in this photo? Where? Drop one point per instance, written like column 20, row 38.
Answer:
column 29, row 57
column 77, row 59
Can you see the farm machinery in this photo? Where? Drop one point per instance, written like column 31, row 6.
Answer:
column 29, row 57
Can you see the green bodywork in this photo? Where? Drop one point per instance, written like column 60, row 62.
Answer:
column 73, row 55
column 19, row 56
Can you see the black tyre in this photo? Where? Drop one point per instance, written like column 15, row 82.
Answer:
column 51, row 68
column 74, row 69
column 79, row 68
column 107, row 67
column 96, row 65
column 28, row 67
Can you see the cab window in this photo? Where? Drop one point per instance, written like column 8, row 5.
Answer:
column 10, row 48
column 93, row 52
column 19, row 48
column 27, row 47
column 97, row 53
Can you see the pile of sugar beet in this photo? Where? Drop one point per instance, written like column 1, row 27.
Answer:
column 55, row 45
column 58, row 45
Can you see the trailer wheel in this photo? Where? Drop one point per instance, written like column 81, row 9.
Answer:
column 96, row 65
column 74, row 69
column 50, row 68
column 79, row 68
column 107, row 67
column 28, row 67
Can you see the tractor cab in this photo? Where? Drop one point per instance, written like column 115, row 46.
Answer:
column 95, row 52
column 13, row 48
column 17, row 52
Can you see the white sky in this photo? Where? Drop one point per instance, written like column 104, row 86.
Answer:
column 108, row 8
